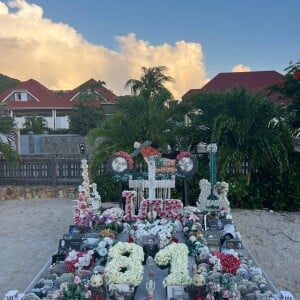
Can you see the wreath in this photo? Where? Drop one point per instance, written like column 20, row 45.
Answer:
column 186, row 163
column 120, row 163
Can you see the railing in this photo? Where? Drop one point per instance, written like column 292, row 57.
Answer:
column 42, row 170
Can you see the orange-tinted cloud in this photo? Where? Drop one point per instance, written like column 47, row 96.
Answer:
column 32, row 46
column 241, row 68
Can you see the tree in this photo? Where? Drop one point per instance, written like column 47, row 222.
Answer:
column 7, row 136
column 289, row 86
column 245, row 126
column 88, row 113
column 137, row 119
column 35, row 123
column 83, row 118
column 145, row 116
column 151, row 84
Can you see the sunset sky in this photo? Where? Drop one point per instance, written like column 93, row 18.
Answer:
column 63, row 43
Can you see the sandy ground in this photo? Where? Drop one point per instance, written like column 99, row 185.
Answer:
column 30, row 231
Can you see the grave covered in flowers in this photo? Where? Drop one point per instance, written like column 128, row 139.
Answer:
column 154, row 248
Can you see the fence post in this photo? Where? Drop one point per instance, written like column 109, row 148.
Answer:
column 53, row 170
column 31, row 142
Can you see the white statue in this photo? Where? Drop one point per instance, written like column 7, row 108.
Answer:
column 220, row 191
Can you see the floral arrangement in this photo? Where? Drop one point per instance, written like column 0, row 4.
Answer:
column 129, row 205
column 125, row 264
column 156, row 205
column 173, row 209
column 114, row 214
column 108, row 232
column 127, row 157
column 110, row 218
column 175, row 254
column 89, row 200
column 78, row 260
column 149, row 151
column 195, row 239
column 163, row 228
column 165, row 165
column 90, row 190
column 73, row 290
column 229, row 262
column 102, row 249
column 221, row 187
column 83, row 214
column 183, row 154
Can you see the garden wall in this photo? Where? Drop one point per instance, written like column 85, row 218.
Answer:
column 36, row 192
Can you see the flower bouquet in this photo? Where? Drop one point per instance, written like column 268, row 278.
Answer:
column 78, row 260
column 101, row 251
column 73, row 290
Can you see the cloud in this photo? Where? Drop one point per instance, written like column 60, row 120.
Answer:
column 240, row 68
column 32, row 46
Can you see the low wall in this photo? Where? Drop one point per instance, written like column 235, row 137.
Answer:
column 36, row 192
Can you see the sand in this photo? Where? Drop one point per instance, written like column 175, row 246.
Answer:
column 30, row 231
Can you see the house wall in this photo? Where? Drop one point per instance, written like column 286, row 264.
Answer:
column 61, row 143
column 50, row 144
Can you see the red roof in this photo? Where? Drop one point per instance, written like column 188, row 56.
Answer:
column 257, row 81
column 45, row 98
column 107, row 94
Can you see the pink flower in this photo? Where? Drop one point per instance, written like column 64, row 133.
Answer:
column 88, row 294
column 193, row 217
column 77, row 280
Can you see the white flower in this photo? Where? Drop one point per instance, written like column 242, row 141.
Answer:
column 193, row 238
column 122, row 269
column 102, row 251
column 102, row 244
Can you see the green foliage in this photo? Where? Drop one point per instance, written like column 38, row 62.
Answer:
column 83, row 118
column 289, row 86
column 73, row 291
column 147, row 116
column 151, row 83
column 245, row 126
column 7, row 137
column 7, row 83
column 238, row 194
column 35, row 123
column 107, row 187
column 279, row 191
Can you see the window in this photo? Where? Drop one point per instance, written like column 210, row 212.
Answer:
column 21, row 96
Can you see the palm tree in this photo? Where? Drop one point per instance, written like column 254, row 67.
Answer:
column 137, row 119
column 35, row 124
column 151, row 83
column 246, row 127
column 7, row 136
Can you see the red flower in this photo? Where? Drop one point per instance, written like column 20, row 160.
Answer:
column 174, row 239
column 183, row 154
column 130, row 239
column 150, row 151
column 127, row 157
column 229, row 262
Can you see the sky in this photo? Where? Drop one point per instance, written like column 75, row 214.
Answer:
column 63, row 43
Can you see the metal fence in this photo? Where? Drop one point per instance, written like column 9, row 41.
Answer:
column 49, row 170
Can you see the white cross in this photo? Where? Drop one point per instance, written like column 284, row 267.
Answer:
column 152, row 184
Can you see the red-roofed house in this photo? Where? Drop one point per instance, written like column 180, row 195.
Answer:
column 31, row 97
column 257, row 82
